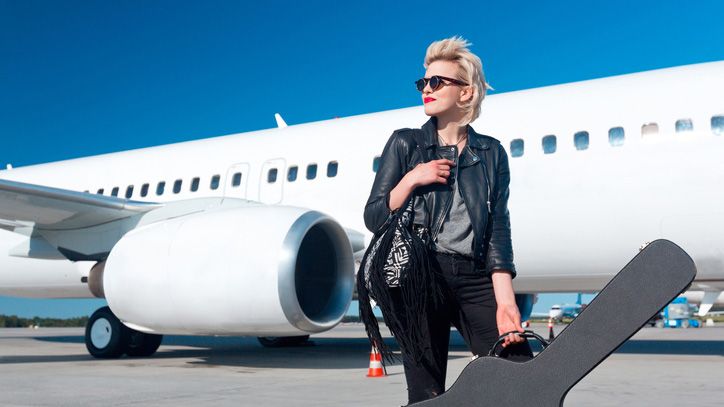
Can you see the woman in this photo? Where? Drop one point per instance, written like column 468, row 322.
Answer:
column 462, row 193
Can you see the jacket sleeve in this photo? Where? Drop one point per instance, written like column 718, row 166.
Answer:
column 500, row 250
column 390, row 172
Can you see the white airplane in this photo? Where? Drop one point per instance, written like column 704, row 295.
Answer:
column 558, row 312
column 257, row 233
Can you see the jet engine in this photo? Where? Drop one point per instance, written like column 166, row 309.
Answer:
column 525, row 304
column 258, row 270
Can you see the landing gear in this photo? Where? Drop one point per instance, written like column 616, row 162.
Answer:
column 106, row 337
column 283, row 341
column 143, row 344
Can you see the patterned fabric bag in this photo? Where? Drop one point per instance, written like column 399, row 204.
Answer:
column 398, row 259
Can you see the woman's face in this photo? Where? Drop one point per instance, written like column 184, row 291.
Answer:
column 446, row 99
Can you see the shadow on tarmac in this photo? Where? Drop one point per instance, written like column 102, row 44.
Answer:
column 324, row 353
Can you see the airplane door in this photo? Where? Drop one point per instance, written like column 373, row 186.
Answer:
column 271, row 181
column 236, row 181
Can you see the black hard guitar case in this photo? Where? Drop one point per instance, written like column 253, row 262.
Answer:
column 657, row 275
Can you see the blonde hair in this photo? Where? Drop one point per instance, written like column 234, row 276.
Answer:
column 471, row 70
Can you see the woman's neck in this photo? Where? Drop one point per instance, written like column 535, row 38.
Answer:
column 451, row 130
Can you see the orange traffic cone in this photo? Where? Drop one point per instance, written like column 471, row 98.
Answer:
column 376, row 369
column 551, row 335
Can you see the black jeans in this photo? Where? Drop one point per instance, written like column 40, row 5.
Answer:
column 470, row 306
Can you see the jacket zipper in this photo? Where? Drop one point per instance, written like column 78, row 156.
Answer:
column 448, row 204
column 487, row 184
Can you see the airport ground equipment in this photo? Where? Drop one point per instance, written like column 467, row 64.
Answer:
column 377, row 369
column 551, row 334
column 657, row 275
column 678, row 314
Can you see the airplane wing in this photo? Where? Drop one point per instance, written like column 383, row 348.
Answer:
column 47, row 208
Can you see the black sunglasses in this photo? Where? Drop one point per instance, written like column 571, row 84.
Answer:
column 436, row 81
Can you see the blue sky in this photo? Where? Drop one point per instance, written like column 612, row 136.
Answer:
column 79, row 78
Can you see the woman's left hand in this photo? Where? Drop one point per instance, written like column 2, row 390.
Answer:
column 508, row 319
column 507, row 315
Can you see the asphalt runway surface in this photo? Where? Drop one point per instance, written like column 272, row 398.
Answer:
column 51, row 367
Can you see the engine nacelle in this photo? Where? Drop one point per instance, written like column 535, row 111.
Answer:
column 259, row 270
column 525, row 304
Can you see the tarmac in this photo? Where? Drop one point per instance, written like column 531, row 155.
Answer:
column 51, row 367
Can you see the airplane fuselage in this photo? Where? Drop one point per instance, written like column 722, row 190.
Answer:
column 578, row 214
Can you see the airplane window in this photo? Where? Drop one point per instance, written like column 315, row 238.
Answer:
column 616, row 136
column 144, row 190
column 311, row 171
column 160, row 187
column 517, row 147
column 717, row 125
column 292, row 173
column 332, row 169
column 580, row 140
column 100, row 191
column 649, row 129
column 129, row 192
column 376, row 164
column 684, row 125
column 195, row 184
column 549, row 144
column 236, row 180
column 271, row 176
column 177, row 186
column 114, row 191
column 215, row 182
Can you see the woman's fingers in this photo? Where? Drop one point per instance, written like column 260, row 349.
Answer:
column 511, row 339
column 508, row 319
column 443, row 161
column 436, row 171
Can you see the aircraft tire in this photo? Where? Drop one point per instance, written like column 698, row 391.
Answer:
column 141, row 344
column 283, row 341
column 105, row 335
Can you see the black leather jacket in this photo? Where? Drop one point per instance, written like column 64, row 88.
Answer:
column 484, row 178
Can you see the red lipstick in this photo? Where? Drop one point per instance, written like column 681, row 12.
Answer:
column 428, row 99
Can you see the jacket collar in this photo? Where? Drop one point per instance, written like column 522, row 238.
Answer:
column 475, row 140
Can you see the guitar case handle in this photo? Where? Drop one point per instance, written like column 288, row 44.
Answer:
column 525, row 334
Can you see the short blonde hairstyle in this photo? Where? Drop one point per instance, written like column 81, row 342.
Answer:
column 471, row 70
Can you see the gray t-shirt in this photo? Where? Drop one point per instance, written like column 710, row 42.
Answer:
column 456, row 234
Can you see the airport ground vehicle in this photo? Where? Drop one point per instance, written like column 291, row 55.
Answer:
column 678, row 314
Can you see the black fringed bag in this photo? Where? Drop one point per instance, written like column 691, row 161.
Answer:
column 397, row 259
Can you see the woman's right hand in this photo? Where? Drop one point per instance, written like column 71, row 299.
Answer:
column 431, row 172
column 435, row 171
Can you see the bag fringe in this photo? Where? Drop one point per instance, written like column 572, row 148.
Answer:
column 419, row 289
